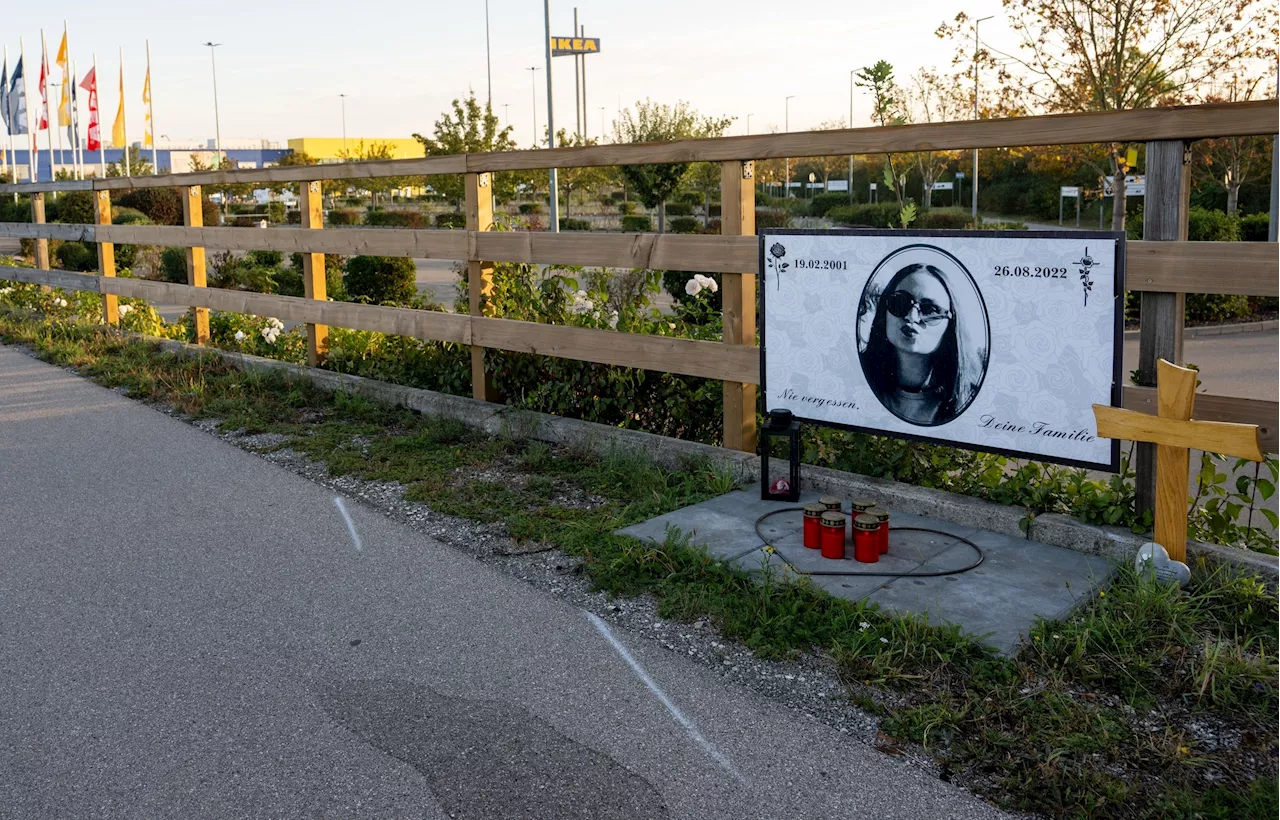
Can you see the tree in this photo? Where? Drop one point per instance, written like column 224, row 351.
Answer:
column 827, row 167
column 470, row 129
column 888, row 107
column 1113, row 55
column 657, row 122
column 934, row 99
column 295, row 158
column 227, row 190
column 1227, row 163
column 139, row 165
column 373, row 152
column 578, row 179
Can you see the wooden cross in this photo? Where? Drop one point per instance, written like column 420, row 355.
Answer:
column 1174, row 433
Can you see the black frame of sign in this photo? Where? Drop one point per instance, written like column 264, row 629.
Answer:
column 1118, row 344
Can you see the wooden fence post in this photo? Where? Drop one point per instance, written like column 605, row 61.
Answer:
column 310, row 205
column 42, row 245
column 479, row 202
column 738, row 218
column 193, row 217
column 106, row 256
column 1165, row 215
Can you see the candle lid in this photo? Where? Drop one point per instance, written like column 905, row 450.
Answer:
column 862, row 503
column 830, row 502
column 866, row 522
column 833, row 519
column 881, row 514
column 814, row 510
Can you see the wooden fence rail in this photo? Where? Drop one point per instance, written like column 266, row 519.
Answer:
column 1163, row 267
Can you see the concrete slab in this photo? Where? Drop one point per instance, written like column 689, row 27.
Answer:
column 1018, row 581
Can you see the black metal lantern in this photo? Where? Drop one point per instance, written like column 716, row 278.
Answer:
column 781, row 424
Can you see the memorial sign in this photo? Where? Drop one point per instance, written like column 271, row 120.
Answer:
column 999, row 341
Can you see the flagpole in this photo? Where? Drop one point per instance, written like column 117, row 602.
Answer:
column 8, row 118
column 44, row 69
column 102, row 150
column 151, row 115
column 31, row 154
column 124, row 118
column 75, row 121
column 73, row 134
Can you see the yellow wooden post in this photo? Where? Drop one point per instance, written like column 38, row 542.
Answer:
column 42, row 245
column 738, row 218
column 479, row 203
column 1173, row 433
column 313, row 283
column 193, row 217
column 106, row 256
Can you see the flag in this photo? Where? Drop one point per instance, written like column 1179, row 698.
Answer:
column 44, row 123
column 4, row 94
column 75, row 115
column 18, row 101
column 146, row 101
column 117, row 128
column 61, row 59
column 90, row 84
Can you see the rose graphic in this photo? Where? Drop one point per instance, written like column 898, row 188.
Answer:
column 1086, row 282
column 774, row 260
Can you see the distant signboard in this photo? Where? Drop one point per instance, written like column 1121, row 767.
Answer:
column 564, row 46
column 837, row 185
column 1134, row 185
column 944, row 186
column 959, row 174
column 1069, row 191
column 873, row 186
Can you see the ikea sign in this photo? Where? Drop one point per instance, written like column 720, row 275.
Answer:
column 563, row 46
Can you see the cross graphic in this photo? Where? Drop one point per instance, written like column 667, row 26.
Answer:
column 1174, row 433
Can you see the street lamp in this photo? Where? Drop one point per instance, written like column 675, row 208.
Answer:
column 786, row 185
column 488, row 63
column 749, row 125
column 602, row 123
column 217, row 125
column 851, row 73
column 533, row 85
column 976, row 23
column 346, row 153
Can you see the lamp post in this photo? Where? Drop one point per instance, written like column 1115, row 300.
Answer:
column 976, row 23
column 488, row 62
column 343, row 97
column 551, row 120
column 851, row 73
column 748, row 125
column 506, row 114
column 786, row 184
column 533, row 86
column 602, row 123
column 217, row 125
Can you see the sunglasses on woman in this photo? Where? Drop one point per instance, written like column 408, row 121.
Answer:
column 899, row 303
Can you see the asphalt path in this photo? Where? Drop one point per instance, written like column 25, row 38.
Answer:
column 187, row 630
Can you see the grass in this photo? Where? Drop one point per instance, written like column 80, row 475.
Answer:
column 1148, row 702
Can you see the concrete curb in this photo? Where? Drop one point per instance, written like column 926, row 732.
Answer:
column 1219, row 330
column 497, row 419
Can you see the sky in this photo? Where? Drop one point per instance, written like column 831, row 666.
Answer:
column 281, row 66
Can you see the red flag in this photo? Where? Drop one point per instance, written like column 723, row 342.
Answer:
column 44, row 121
column 90, row 84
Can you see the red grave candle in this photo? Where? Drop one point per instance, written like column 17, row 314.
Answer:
column 813, row 525
column 882, row 517
column 866, row 539
column 833, row 535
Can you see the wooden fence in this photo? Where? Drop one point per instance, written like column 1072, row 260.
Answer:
column 1164, row 267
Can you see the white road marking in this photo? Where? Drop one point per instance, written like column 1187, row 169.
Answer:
column 688, row 725
column 351, row 525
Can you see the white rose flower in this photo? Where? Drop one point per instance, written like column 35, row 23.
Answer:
column 613, row 320
column 241, row 336
column 125, row 310
column 693, row 287
column 711, row 285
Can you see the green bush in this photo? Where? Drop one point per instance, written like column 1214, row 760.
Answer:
column 617, row 196
column 173, row 265
column 713, row 210
column 122, row 215
column 266, row 259
column 640, row 223
column 943, row 219
column 674, row 281
column 76, row 256
column 76, row 208
column 685, row 224
column 381, row 279
column 1255, row 227
column 527, row 208
column 772, row 218
column 568, row 224
column 352, row 200
column 246, row 221
column 691, row 198
column 866, row 215
column 821, row 204
column 626, row 208
column 1203, row 225
column 163, row 206
column 451, row 220
column 293, row 217
column 396, row 219
column 275, row 212
column 1217, row 307
column 209, row 211
column 342, row 216
column 19, row 211
column 679, row 209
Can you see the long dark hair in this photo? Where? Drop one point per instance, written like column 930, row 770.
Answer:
column 952, row 380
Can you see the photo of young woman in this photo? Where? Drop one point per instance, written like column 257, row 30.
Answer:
column 926, row 350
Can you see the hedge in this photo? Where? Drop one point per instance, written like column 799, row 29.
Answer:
column 381, row 279
column 451, row 219
column 569, row 224
column 943, row 219
column 866, row 215
column 396, row 219
column 821, row 204
column 527, row 208
column 685, row 224
column 639, row 223
column 679, row 209
column 1255, row 227
column 772, row 218
column 342, row 216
